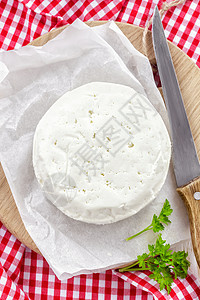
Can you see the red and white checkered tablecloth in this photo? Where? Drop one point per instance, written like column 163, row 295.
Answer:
column 23, row 273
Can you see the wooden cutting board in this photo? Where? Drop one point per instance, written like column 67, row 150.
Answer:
column 189, row 78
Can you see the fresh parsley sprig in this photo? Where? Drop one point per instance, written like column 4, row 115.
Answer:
column 157, row 221
column 164, row 265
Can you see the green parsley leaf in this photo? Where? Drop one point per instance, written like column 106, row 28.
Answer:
column 157, row 221
column 156, row 224
column 164, row 265
column 180, row 264
column 165, row 212
column 142, row 260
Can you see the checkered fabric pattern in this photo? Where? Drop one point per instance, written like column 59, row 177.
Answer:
column 21, row 21
column 23, row 273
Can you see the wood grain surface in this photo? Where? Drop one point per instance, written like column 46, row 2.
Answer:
column 187, row 193
column 189, row 79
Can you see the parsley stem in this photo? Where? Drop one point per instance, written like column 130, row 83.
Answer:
column 130, row 266
column 144, row 230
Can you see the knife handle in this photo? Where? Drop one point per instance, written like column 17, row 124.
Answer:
column 190, row 194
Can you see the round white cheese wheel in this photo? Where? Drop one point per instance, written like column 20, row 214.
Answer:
column 101, row 153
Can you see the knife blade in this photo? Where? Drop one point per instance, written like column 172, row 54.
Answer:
column 184, row 155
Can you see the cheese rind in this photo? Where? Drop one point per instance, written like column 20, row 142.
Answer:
column 101, row 153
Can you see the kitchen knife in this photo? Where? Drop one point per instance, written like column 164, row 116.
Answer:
column 185, row 159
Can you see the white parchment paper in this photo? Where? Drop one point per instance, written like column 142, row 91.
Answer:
column 32, row 79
